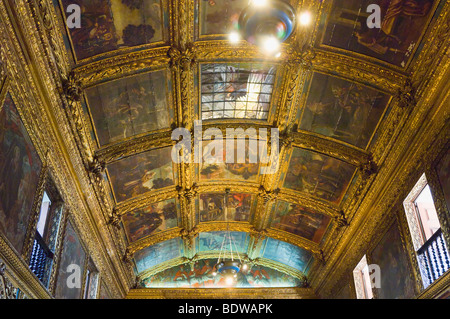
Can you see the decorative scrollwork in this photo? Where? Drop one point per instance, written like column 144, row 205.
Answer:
column 341, row 220
column 7, row 290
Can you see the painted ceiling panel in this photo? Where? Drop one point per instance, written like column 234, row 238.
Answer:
column 113, row 24
column 402, row 27
column 201, row 276
column 141, row 173
column 211, row 207
column 344, row 110
column 300, row 221
column 318, row 175
column 149, row 220
column 158, row 253
column 286, row 253
column 129, row 107
column 219, row 17
column 216, row 167
column 214, row 241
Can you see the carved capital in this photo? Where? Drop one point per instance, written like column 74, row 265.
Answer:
column 302, row 57
column 341, row 220
column 369, row 168
column 127, row 256
column 97, row 167
column 182, row 59
column 406, row 95
column 268, row 195
column 188, row 193
column 114, row 219
column 72, row 88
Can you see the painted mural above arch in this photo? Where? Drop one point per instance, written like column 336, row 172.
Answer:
column 200, row 275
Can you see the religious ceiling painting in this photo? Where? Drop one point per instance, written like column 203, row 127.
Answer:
column 72, row 254
column 158, row 253
column 236, row 91
column 443, row 171
column 300, row 221
column 141, row 173
column 108, row 25
column 216, row 166
column 201, row 276
column 20, row 167
column 214, row 241
column 318, row 175
column 403, row 23
column 211, row 207
column 219, row 17
column 130, row 106
column 151, row 219
column 343, row 110
column 286, row 253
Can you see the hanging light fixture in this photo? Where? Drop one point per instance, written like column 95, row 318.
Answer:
column 229, row 263
column 267, row 24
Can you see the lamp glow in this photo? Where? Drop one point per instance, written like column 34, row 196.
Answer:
column 229, row 281
column 260, row 3
column 234, row 37
column 305, row 18
column 271, row 45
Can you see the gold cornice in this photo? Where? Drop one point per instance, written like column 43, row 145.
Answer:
column 358, row 69
column 234, row 293
column 122, row 66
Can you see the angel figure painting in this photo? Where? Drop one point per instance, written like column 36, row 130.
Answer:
column 403, row 23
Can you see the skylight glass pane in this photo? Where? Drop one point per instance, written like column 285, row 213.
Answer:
column 238, row 90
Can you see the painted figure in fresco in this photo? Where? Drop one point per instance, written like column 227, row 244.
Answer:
column 154, row 218
column 318, row 175
column 349, row 112
column 225, row 17
column 142, row 173
column 395, row 11
column 222, row 170
column 297, row 220
column 19, row 174
column 10, row 179
column 97, row 33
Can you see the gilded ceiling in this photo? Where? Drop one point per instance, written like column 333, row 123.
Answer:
column 332, row 93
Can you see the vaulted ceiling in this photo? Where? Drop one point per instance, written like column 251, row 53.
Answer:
column 148, row 67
